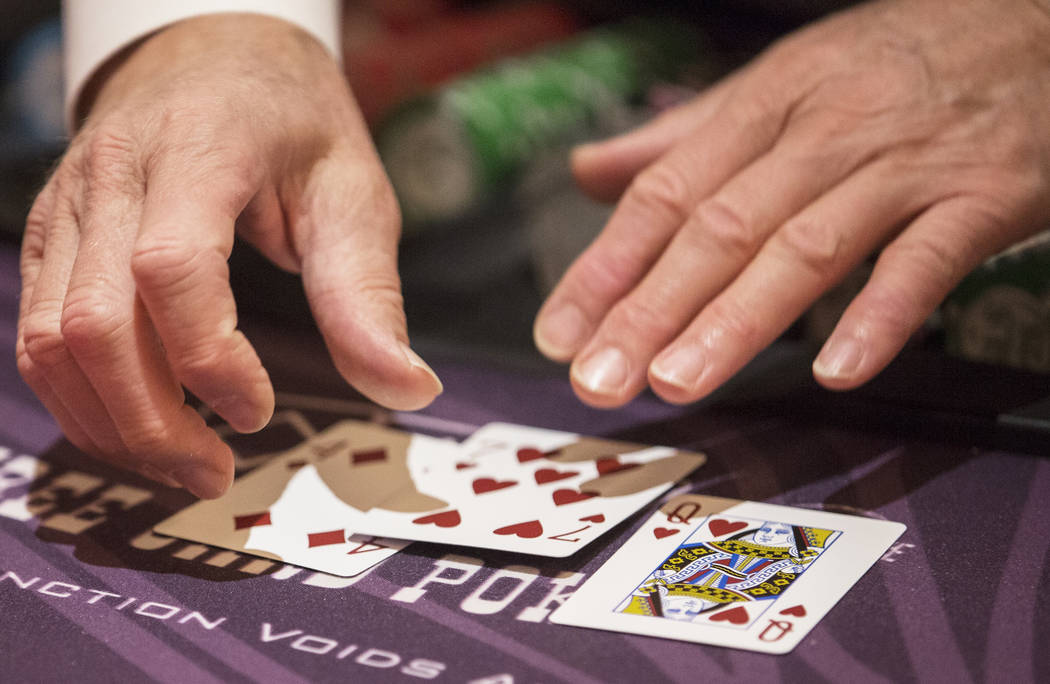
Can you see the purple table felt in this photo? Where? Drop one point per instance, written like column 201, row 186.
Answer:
column 87, row 592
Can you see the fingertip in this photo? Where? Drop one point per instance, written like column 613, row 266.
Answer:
column 676, row 374
column 154, row 473
column 671, row 391
column 560, row 331
column 207, row 478
column 603, row 378
column 204, row 482
column 394, row 376
column 598, row 174
column 431, row 383
column 839, row 363
column 247, row 415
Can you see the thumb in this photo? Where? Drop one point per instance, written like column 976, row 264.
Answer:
column 347, row 227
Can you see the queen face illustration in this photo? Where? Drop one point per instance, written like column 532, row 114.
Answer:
column 773, row 534
column 683, row 608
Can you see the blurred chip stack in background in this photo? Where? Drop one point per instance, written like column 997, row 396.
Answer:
column 1000, row 313
column 450, row 152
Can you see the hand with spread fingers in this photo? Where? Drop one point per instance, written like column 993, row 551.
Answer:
column 197, row 134
column 916, row 128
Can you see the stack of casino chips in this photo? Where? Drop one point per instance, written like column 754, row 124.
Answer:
column 1000, row 313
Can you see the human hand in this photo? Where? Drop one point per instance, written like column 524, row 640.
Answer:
column 914, row 126
column 215, row 124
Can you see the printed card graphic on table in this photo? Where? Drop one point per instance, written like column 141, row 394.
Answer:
column 531, row 490
column 732, row 573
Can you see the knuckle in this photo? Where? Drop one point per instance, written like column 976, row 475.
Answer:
column 43, row 344
column 641, row 320
column 896, row 311
column 377, row 292
column 939, row 261
column 27, row 368
column 149, row 436
column 600, row 276
column 662, row 190
column 716, row 223
column 165, row 264
column 386, row 203
column 89, row 320
column 730, row 320
column 201, row 363
column 814, row 245
column 109, row 157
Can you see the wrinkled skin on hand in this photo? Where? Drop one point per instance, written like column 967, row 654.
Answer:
column 916, row 128
column 215, row 125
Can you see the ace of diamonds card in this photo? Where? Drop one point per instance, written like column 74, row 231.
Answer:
column 729, row 573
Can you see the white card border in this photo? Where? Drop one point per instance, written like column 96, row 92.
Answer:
column 863, row 542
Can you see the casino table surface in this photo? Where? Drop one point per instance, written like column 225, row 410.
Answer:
column 88, row 593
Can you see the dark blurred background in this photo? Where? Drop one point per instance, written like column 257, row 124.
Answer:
column 474, row 106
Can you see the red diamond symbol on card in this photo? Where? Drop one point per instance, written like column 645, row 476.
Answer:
column 368, row 456
column 326, row 538
column 251, row 520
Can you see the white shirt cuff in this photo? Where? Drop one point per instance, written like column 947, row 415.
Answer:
column 95, row 30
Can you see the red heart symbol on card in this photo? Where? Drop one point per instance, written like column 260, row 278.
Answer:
column 596, row 518
column 487, row 484
column 464, row 466
column 545, row 475
column 610, row 464
column 444, row 519
column 797, row 611
column 568, row 496
column 735, row 616
column 720, row 527
column 525, row 530
column 661, row 532
column 529, row 454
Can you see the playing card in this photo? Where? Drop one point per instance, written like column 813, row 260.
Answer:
column 730, row 573
column 531, row 490
column 301, row 507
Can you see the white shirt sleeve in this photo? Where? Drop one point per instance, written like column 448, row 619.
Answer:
column 95, row 30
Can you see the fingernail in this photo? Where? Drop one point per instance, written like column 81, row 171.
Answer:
column 242, row 415
column 155, row 473
column 604, row 372
column 418, row 362
column 204, row 482
column 680, row 367
column 839, row 358
column 561, row 332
